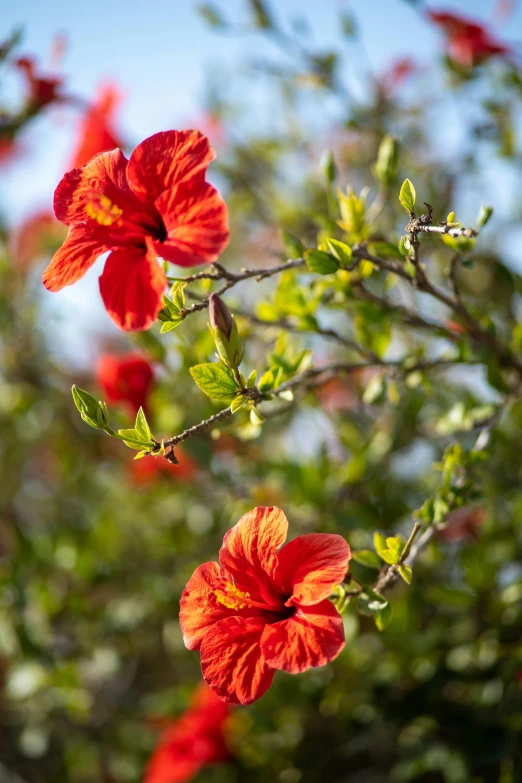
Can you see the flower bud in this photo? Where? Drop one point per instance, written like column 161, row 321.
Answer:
column 92, row 412
column 224, row 332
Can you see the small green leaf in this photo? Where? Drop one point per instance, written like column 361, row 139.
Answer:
column 389, row 556
column 238, row 402
column 251, row 380
column 405, row 571
column 215, row 381
column 484, row 215
column 168, row 326
column 384, row 250
column 91, row 410
column 407, row 196
column 340, row 250
column 321, row 263
column 266, row 382
column 379, row 541
column 328, row 166
column 404, row 246
column 256, row 417
column 375, row 392
column 366, row 558
column 142, row 426
column 383, row 618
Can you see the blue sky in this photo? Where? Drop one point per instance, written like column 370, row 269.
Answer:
column 161, row 54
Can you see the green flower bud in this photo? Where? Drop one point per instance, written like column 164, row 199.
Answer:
column 224, row 332
column 92, row 411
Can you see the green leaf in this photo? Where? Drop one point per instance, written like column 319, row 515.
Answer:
column 386, row 163
column 407, row 196
column 266, row 382
column 215, row 381
column 383, row 618
column 177, row 293
column 405, row 571
column 251, row 380
column 91, row 410
column 384, row 250
column 293, row 246
column 484, row 215
column 256, row 417
column 340, row 250
column 168, row 326
column 375, row 392
column 238, row 402
column 321, row 263
column 328, row 166
column 132, row 439
column 389, row 556
column 366, row 558
column 142, row 426
column 379, row 541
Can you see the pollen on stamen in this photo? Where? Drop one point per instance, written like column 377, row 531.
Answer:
column 101, row 209
column 231, row 596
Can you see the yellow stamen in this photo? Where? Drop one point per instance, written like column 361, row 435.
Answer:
column 101, row 209
column 232, row 597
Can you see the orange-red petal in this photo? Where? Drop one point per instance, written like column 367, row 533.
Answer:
column 199, row 610
column 232, row 662
column 312, row 637
column 131, row 287
column 196, row 221
column 104, row 174
column 166, row 159
column 249, row 551
column 310, row 566
column 77, row 254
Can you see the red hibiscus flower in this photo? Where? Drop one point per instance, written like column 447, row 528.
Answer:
column 96, row 131
column 468, row 43
column 147, row 470
column 157, row 203
column 398, row 72
column 41, row 90
column 264, row 608
column 195, row 740
column 127, row 379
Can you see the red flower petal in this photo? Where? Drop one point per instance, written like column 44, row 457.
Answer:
column 196, row 220
column 199, row 610
column 166, row 159
column 77, row 254
column 131, row 287
column 231, row 660
column 249, row 551
column 105, row 174
column 310, row 566
column 308, row 638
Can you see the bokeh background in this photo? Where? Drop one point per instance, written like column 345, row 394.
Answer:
column 94, row 551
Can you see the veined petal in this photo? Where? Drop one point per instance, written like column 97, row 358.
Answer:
column 249, row 551
column 77, row 254
column 312, row 637
column 199, row 609
column 310, row 566
column 196, row 220
column 105, row 174
column 232, row 662
column 166, row 159
column 131, row 287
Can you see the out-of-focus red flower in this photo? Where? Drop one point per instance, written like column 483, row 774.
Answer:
column 41, row 90
column 157, row 203
column 468, row 42
column 9, row 150
column 195, row 740
column 337, row 395
column 397, row 73
column 147, row 470
column 126, row 378
column 96, row 132
column 463, row 524
column 262, row 609
column 34, row 236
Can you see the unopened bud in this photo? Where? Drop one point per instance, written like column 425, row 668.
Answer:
column 92, row 411
column 224, row 332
